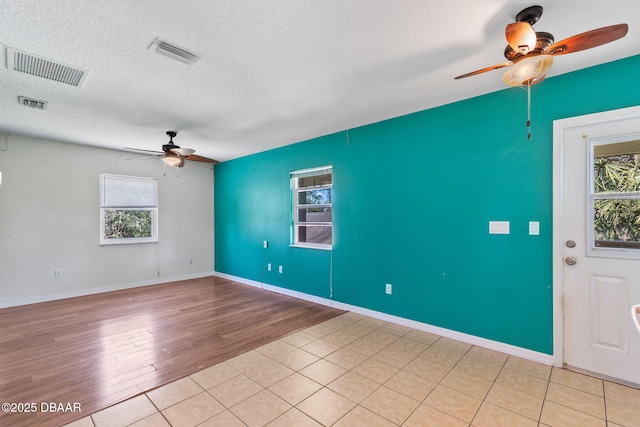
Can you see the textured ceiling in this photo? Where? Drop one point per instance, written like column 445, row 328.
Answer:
column 272, row 72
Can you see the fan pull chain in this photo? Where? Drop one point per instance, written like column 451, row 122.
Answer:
column 529, row 109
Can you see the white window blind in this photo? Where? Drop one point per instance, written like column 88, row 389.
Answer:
column 117, row 191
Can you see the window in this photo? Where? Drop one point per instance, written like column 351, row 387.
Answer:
column 312, row 211
column 615, row 196
column 128, row 209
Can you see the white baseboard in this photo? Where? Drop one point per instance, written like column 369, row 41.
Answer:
column 512, row 350
column 83, row 292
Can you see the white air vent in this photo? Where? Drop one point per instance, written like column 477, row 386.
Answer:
column 45, row 68
column 172, row 51
column 33, row 103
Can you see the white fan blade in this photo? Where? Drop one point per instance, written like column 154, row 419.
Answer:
column 184, row 152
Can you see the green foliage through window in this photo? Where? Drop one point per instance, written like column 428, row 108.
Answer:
column 617, row 217
column 127, row 224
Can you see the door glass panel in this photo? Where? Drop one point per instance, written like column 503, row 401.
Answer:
column 616, row 167
column 617, row 223
column 616, row 195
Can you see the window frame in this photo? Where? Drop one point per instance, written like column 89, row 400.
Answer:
column 604, row 250
column 147, row 207
column 295, row 206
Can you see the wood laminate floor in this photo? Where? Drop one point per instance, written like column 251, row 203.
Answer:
column 97, row 350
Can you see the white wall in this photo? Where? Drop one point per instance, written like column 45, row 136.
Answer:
column 49, row 219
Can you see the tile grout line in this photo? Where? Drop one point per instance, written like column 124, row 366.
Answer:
column 544, row 398
column 437, row 383
column 379, row 385
column 350, row 370
column 489, row 391
column 605, row 419
column 401, row 369
column 158, row 409
column 604, row 398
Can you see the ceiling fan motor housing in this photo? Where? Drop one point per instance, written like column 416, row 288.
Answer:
column 531, row 14
column 169, row 147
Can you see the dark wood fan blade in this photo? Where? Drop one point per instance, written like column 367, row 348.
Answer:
column 484, row 70
column 590, row 39
column 196, row 158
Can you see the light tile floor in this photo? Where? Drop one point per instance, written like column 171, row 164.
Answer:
column 354, row 371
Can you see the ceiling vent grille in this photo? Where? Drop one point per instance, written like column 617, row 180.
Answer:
column 45, row 68
column 175, row 52
column 33, row 103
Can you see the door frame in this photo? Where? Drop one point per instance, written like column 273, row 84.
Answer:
column 559, row 126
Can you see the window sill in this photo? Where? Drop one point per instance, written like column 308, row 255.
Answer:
column 131, row 241
column 312, row 246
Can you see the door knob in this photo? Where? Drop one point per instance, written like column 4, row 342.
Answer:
column 571, row 243
column 570, row 260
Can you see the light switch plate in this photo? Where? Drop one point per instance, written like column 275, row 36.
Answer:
column 534, row 228
column 499, row 227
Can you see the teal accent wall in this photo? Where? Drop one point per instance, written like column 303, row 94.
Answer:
column 413, row 197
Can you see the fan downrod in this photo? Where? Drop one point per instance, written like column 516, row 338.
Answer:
column 169, row 145
column 531, row 15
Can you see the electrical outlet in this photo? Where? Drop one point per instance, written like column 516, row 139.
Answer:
column 388, row 289
column 269, row 267
column 57, row 273
column 499, row 227
column 280, row 269
column 265, row 244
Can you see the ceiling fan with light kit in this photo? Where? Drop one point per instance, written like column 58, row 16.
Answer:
column 172, row 154
column 530, row 53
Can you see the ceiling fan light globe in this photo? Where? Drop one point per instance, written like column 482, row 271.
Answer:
column 527, row 70
column 172, row 159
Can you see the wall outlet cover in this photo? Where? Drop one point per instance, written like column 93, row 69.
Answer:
column 499, row 227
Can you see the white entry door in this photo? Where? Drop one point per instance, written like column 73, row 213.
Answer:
column 597, row 243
